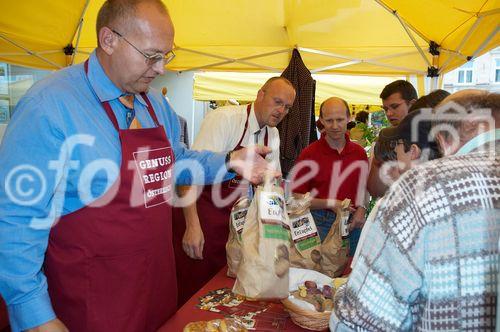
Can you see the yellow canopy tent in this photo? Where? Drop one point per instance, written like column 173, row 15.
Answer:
column 362, row 37
column 359, row 91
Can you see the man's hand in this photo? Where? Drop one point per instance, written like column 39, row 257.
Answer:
column 249, row 162
column 54, row 325
column 358, row 218
column 193, row 241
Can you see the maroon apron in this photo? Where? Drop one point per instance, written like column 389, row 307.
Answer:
column 192, row 274
column 111, row 267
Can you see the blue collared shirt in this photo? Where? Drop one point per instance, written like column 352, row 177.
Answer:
column 60, row 152
column 479, row 140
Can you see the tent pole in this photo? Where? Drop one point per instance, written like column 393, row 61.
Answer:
column 457, row 54
column 414, row 41
column 485, row 42
column 416, row 72
column 339, row 65
column 354, row 61
column 392, row 11
column 24, row 53
column 489, row 12
column 231, row 60
column 330, row 54
column 468, row 34
column 462, row 43
column 79, row 31
column 215, row 64
column 390, row 56
column 30, row 52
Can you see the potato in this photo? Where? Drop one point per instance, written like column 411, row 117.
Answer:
column 327, row 291
column 310, row 284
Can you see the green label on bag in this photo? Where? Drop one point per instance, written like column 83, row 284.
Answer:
column 308, row 243
column 275, row 232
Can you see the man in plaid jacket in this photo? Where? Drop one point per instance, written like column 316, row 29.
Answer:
column 430, row 261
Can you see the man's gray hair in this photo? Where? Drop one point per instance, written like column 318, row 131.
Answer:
column 455, row 108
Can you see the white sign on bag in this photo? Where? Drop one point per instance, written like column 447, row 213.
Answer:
column 271, row 206
column 303, row 227
column 238, row 219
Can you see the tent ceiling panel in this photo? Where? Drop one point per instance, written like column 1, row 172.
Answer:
column 355, row 29
column 244, row 86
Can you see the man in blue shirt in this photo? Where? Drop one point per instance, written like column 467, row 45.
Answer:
column 73, row 167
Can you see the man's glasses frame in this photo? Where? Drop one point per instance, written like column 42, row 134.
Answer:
column 279, row 104
column 151, row 59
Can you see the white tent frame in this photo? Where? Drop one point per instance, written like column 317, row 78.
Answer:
column 350, row 60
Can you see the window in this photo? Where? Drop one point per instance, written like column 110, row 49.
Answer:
column 465, row 73
column 497, row 70
column 14, row 82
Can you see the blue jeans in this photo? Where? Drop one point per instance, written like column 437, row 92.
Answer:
column 324, row 220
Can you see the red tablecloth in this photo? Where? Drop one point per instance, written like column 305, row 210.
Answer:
column 189, row 312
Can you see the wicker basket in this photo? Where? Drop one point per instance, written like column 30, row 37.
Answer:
column 311, row 320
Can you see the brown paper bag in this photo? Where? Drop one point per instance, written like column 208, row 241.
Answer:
column 233, row 245
column 263, row 271
column 305, row 247
column 335, row 250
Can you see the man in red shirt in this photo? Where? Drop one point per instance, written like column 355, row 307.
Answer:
column 332, row 169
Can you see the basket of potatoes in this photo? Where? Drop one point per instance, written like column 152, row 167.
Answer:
column 310, row 302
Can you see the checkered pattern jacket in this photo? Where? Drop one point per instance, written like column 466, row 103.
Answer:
column 430, row 260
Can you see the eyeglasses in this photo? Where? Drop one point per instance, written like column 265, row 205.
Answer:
column 280, row 104
column 151, row 59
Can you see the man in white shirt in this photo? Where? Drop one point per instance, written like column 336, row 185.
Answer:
column 200, row 245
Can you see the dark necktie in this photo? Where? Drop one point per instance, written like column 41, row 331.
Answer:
column 256, row 136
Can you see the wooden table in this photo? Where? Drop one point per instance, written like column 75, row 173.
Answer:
column 189, row 312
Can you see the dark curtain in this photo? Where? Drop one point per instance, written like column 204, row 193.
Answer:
column 298, row 129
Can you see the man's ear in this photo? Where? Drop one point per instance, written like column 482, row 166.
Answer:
column 411, row 102
column 322, row 121
column 107, row 40
column 260, row 95
column 415, row 152
column 442, row 144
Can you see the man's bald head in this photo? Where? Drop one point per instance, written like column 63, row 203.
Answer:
column 334, row 101
column 473, row 99
column 119, row 14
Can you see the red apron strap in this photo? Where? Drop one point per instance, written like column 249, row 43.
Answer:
column 111, row 115
column 249, row 107
column 150, row 109
column 105, row 104
column 109, row 110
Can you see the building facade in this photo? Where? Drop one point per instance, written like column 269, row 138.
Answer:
column 480, row 73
